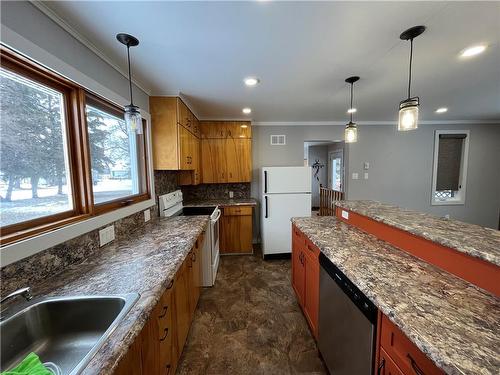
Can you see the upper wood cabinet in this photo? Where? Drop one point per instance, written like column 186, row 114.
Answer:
column 225, row 129
column 175, row 138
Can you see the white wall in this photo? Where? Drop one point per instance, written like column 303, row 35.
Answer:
column 400, row 165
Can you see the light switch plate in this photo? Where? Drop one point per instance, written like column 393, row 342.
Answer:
column 366, row 165
column 345, row 214
column 147, row 215
column 106, row 235
column 355, row 176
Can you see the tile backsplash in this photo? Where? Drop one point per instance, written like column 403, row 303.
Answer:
column 215, row 191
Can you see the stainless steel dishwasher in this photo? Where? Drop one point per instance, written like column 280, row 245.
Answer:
column 347, row 323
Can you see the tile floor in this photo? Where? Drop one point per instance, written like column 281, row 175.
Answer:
column 250, row 323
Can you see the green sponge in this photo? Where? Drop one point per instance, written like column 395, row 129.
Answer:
column 31, row 365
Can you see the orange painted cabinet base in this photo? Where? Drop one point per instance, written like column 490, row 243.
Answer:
column 305, row 277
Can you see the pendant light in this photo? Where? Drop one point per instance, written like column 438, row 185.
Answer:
column 408, row 108
column 351, row 129
column 133, row 117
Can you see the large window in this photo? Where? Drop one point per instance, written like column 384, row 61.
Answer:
column 65, row 154
column 117, row 155
column 451, row 150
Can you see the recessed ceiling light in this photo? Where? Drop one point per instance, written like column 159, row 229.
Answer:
column 251, row 81
column 442, row 110
column 246, row 111
column 352, row 110
column 473, row 51
column 243, row 126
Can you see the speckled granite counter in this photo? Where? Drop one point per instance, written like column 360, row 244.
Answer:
column 474, row 240
column 456, row 324
column 145, row 263
column 221, row 202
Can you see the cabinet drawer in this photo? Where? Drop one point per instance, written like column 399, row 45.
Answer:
column 403, row 352
column 387, row 366
column 238, row 211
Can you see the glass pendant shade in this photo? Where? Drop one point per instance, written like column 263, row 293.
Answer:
column 408, row 114
column 351, row 133
column 133, row 118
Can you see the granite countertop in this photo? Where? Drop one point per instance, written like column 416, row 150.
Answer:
column 221, row 202
column 455, row 323
column 144, row 263
column 471, row 239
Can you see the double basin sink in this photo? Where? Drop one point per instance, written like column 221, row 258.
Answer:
column 66, row 331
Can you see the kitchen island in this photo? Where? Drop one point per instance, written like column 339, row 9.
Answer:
column 450, row 320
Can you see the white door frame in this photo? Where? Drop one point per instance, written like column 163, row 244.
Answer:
column 334, row 155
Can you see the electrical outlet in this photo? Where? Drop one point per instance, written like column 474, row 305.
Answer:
column 106, row 235
column 345, row 214
column 366, row 175
column 355, row 176
column 147, row 215
column 231, row 195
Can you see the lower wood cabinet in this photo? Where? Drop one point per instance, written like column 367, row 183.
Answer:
column 398, row 353
column 305, row 277
column 159, row 346
column 235, row 234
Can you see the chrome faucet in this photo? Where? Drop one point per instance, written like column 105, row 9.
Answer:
column 24, row 292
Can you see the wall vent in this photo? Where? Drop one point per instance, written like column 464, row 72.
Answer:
column 278, row 140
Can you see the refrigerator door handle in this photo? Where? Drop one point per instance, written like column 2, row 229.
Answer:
column 265, row 182
column 267, row 213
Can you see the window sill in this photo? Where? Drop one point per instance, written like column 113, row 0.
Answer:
column 16, row 251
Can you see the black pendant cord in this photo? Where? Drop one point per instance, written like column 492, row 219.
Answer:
column 409, row 74
column 350, row 108
column 129, row 75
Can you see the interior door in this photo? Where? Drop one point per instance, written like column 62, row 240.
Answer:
column 277, row 211
column 336, row 170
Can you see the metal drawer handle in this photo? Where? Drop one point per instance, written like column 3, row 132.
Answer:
column 171, row 284
column 193, row 257
column 168, row 367
column 164, row 335
column 382, row 365
column 414, row 365
column 164, row 312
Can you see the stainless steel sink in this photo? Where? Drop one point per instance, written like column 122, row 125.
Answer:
column 66, row 331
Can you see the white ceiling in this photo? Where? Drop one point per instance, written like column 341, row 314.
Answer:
column 302, row 52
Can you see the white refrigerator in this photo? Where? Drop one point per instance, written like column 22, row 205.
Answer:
column 286, row 193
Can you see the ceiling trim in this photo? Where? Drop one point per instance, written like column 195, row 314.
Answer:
column 85, row 41
column 343, row 123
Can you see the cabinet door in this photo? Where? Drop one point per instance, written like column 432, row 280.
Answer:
column 213, row 161
column 239, row 159
column 166, row 333
column 182, row 113
column 184, row 148
column 238, row 129
column 311, row 291
column 182, row 310
column 150, row 345
column 236, row 234
column 196, row 277
column 298, row 277
column 213, row 130
column 387, row 366
column 131, row 363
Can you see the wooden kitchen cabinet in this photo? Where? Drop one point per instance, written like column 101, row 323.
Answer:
column 213, row 161
column 159, row 346
column 175, row 138
column 225, row 129
column 386, row 365
column 236, row 230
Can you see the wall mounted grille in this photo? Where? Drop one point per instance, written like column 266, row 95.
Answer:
column 278, row 140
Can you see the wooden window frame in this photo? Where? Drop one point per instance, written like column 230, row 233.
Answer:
column 99, row 208
column 78, row 149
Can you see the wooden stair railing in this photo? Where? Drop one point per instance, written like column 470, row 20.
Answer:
column 327, row 198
